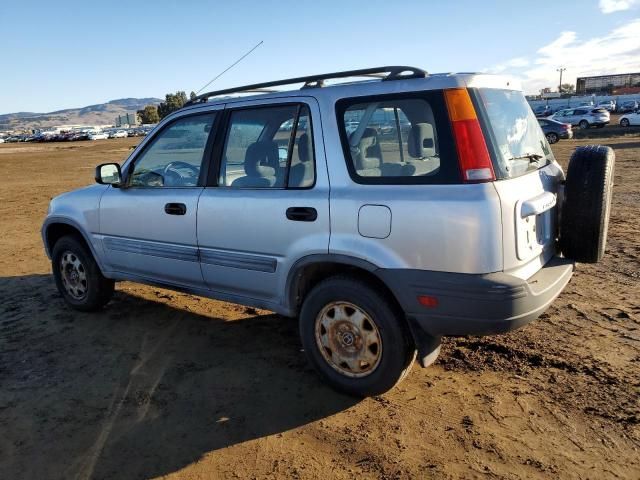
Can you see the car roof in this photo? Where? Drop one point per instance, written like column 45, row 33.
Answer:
column 338, row 91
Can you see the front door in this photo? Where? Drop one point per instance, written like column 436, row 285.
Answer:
column 269, row 200
column 148, row 226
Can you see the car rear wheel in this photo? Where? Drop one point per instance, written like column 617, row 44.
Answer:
column 78, row 276
column 354, row 337
column 552, row 137
column 624, row 122
column 587, row 203
column 583, row 124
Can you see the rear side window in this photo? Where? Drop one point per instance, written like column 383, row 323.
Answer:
column 397, row 139
column 269, row 147
column 516, row 140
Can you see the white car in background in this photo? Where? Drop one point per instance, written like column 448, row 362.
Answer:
column 629, row 119
column 1, row 140
column 98, row 136
column 119, row 134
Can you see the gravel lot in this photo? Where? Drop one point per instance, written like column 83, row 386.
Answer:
column 166, row 384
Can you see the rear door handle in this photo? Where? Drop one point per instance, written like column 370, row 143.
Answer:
column 302, row 214
column 175, row 209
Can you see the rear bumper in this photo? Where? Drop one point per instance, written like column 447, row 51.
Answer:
column 566, row 134
column 477, row 304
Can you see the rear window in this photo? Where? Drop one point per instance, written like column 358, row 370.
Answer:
column 398, row 139
column 516, row 140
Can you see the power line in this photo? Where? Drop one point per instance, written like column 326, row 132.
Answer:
column 230, row 66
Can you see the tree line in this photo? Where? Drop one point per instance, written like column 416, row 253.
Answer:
column 172, row 102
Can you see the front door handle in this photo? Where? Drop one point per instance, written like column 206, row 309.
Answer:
column 175, row 209
column 302, row 214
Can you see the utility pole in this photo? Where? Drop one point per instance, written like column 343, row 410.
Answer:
column 561, row 69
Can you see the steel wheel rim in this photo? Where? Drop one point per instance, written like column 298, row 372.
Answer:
column 348, row 339
column 73, row 275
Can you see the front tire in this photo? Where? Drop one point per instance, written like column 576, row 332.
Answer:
column 624, row 122
column 354, row 337
column 583, row 124
column 78, row 276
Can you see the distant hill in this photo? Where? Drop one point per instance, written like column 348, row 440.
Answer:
column 101, row 114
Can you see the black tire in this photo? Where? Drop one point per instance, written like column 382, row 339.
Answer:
column 552, row 137
column 397, row 347
column 583, row 124
column 98, row 290
column 587, row 203
column 624, row 122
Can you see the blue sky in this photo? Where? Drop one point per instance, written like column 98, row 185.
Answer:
column 74, row 53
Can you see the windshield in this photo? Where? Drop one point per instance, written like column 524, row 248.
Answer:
column 518, row 143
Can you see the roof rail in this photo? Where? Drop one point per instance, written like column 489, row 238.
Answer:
column 313, row 81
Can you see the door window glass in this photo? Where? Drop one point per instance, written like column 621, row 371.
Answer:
column 269, row 147
column 174, row 157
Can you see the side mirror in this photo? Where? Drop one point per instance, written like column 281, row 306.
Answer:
column 108, row 174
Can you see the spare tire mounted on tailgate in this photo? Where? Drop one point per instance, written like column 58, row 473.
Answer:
column 585, row 216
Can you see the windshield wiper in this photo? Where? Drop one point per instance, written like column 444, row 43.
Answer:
column 532, row 157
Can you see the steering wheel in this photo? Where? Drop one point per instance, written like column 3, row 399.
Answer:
column 171, row 171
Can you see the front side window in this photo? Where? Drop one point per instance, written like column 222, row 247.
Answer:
column 174, row 157
column 389, row 139
column 269, row 147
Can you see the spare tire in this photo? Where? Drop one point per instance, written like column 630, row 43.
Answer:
column 587, row 203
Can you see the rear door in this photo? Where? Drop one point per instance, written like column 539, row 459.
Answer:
column 267, row 203
column 528, row 179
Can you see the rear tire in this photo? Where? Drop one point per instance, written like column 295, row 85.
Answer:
column 78, row 276
column 583, row 124
column 587, row 203
column 339, row 344
column 624, row 122
column 552, row 137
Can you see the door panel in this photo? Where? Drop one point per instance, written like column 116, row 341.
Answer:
column 148, row 226
column 247, row 242
column 139, row 237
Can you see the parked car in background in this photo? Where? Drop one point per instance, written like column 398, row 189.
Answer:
column 583, row 117
column 555, row 130
column 629, row 119
column 609, row 105
column 118, row 134
column 543, row 111
column 628, row 106
column 1, row 140
column 98, row 136
column 585, row 104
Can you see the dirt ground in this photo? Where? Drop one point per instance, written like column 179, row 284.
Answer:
column 162, row 384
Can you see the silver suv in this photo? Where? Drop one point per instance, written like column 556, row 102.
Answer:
column 583, row 117
column 384, row 213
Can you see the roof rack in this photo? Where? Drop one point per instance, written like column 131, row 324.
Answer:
column 314, row 81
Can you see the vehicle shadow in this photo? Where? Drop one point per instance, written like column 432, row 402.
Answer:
column 142, row 388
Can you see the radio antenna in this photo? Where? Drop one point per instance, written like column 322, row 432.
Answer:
column 231, row 66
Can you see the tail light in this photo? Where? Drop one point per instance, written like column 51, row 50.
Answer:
column 565, row 126
column 473, row 155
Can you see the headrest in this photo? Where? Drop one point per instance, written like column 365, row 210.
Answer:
column 304, row 147
column 420, row 142
column 369, row 150
column 261, row 159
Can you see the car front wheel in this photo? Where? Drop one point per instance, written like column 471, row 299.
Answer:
column 624, row 122
column 354, row 337
column 78, row 276
column 583, row 124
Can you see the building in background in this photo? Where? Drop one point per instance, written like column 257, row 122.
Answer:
column 618, row 84
column 127, row 120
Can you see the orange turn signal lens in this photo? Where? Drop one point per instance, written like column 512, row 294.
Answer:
column 459, row 104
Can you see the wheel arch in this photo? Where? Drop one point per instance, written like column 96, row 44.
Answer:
column 309, row 270
column 57, row 227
